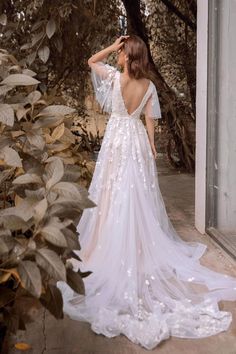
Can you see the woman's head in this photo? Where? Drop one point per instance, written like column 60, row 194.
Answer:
column 134, row 55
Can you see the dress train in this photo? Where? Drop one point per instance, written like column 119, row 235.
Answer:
column 146, row 282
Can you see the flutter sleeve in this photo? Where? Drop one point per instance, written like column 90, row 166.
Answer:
column 152, row 107
column 102, row 76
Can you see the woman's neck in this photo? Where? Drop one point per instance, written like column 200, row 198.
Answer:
column 125, row 71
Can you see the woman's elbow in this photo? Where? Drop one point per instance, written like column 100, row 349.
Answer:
column 149, row 119
column 89, row 62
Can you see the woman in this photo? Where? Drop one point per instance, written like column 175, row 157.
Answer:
column 146, row 282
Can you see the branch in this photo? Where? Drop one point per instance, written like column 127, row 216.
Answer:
column 176, row 11
column 193, row 8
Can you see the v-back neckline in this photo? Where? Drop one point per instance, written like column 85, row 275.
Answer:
column 130, row 114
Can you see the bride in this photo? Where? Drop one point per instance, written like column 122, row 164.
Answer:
column 146, row 282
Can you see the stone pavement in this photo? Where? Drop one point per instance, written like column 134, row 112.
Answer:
column 49, row 336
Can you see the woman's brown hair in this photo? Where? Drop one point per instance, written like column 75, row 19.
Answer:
column 137, row 53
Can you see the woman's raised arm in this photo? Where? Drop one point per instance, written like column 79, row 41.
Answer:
column 102, row 54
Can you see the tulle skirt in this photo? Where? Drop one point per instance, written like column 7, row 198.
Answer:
column 146, row 282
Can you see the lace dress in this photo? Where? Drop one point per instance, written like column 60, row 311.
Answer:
column 147, row 283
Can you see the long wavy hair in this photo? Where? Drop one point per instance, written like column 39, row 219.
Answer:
column 137, row 53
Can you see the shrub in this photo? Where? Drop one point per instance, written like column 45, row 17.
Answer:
column 41, row 198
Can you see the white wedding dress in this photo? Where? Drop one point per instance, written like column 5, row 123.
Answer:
column 147, row 283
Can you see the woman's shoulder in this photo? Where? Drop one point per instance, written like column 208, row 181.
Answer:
column 150, row 83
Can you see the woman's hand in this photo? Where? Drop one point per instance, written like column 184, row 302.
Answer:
column 102, row 54
column 154, row 151
column 118, row 44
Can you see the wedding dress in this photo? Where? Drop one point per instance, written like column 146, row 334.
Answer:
column 146, row 282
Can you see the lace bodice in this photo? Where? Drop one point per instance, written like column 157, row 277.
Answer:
column 106, row 83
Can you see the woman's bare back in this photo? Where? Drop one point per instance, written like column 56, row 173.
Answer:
column 133, row 92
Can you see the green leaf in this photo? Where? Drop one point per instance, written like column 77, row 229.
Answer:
column 37, row 194
column 72, row 195
column 29, row 73
column 21, row 112
column 40, row 210
column 28, row 178
column 37, row 37
column 37, row 25
column 75, row 281
column 51, row 263
column 51, row 28
column 67, row 190
column 24, row 209
column 30, row 277
column 54, row 172
column 6, row 114
column 11, row 157
column 53, row 235
column 72, row 254
column 13, row 222
column 44, row 53
column 33, row 97
column 19, row 80
column 36, row 138
column 65, row 210
column 7, row 242
column 84, row 274
column 72, row 239
column 56, row 110
column 58, row 132
column 26, row 46
column 52, row 301
column 31, row 57
column 48, row 122
column 68, row 137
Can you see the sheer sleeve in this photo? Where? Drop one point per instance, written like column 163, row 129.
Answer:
column 102, row 76
column 152, row 107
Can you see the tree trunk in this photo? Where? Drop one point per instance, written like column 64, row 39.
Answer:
column 171, row 111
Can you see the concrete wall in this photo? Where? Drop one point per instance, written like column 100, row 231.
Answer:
column 201, row 115
column 215, row 186
column 226, row 127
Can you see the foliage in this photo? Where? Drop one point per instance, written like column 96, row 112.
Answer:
column 41, row 196
column 169, row 29
column 57, row 38
column 173, row 46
